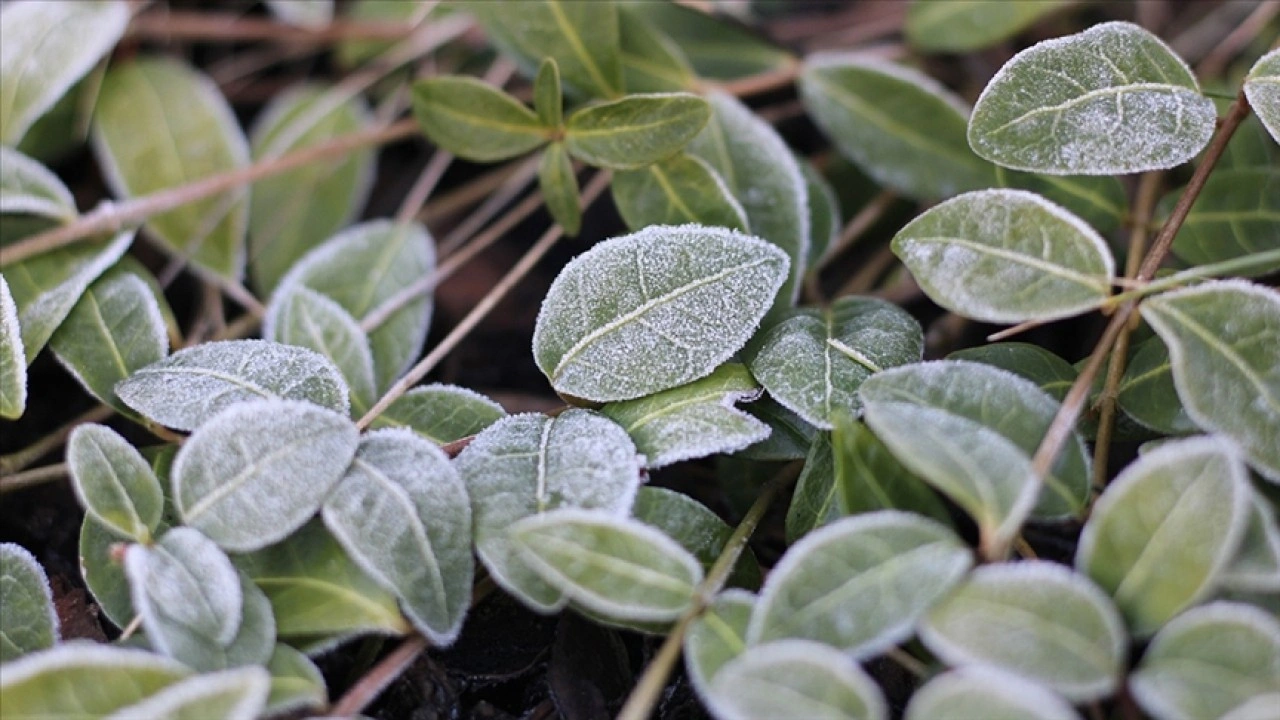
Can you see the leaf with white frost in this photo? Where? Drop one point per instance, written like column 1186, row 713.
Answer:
column 84, row 679
column 654, row 310
column 239, row 694
column 694, row 420
column 975, row 691
column 296, row 683
column 114, row 482
column 696, row 528
column 1099, row 200
column 716, row 636
column 259, row 470
column 1006, row 256
column 302, row 317
column 861, row 583
column 825, row 221
column 1161, row 535
column 194, row 384
column 528, row 464
column 795, row 679
column 1262, row 88
column 812, row 361
column 1049, row 372
column 1147, row 394
column 676, row 190
column 635, row 130
column 28, row 620
column 441, row 413
column 1257, row 565
column 29, row 188
column 1111, row 100
column 13, row 360
column 790, row 437
column 189, row 580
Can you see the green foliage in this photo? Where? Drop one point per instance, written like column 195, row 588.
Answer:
column 476, row 121
column 1262, row 87
column 963, row 25
column 28, row 621
column 634, row 131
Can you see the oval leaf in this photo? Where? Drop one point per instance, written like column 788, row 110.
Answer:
column 548, row 96
column 815, row 501
column 1147, row 392
column 958, row 26
column 716, row 636
column 84, row 679
column 239, row 694
column 790, row 437
column 475, row 120
column 1237, row 213
column 29, row 188
column 975, row 691
column 651, row 60
column 680, row 189
column 1262, row 88
column 868, row 477
column 13, row 359
column 581, row 37
column 559, row 187
column 296, row 683
column 1099, row 200
column 716, row 47
column 1049, row 372
column 189, row 581
column 302, row 317
column 441, row 413
column 28, row 621
column 636, row 130
column 1257, row 566
column 114, row 482
column 696, row 528
column 795, row 678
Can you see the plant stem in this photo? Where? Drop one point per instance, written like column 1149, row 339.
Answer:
column 908, row 662
column 500, row 198
column 1246, row 263
column 20, row 459
column 377, row 679
column 226, row 27
column 27, row 478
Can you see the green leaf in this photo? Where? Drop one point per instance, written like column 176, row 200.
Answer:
column 636, row 130
column 651, row 61
column 1262, row 88
column 976, row 691
column 1111, row 100
column 696, row 528
column 28, row 621
column 1224, row 344
column 1256, row 567
column 868, row 477
column 548, row 100
column 717, row 636
column 795, row 678
column 789, row 435
column 677, row 190
column 313, row 14
column 861, row 583
column 559, row 185
column 1208, row 661
column 13, row 360
column 1250, row 146
column 189, row 581
column 620, row 568
column 402, row 514
column 1237, row 213
column 289, row 213
column 1006, row 256
column 47, row 48
column 825, row 221
column 84, row 679
column 475, row 120
column 694, row 420
column 194, row 384
column 1035, row 619
column 159, row 124
column 581, row 37
column 239, row 694
column 1258, row 707
column 1098, row 200
column 716, row 47
column 1049, row 372
column 957, row 26
column 896, row 124
column 1161, row 535
column 815, row 501
column 29, row 188
column 528, row 464
column 1147, row 393
column 114, row 482
column 441, row 413
column 353, row 52
column 302, row 317
column 296, row 683
column 654, row 310
column 812, row 361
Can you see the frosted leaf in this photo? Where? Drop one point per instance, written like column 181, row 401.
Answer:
column 1049, row 372
column 1101, row 201
column 1161, row 535
column 239, row 694
column 795, row 679
column 867, row 476
column 1256, row 566
column 528, row 464
column 13, row 360
column 812, row 361
column 1006, row 256
column 1147, row 394
column 696, row 528
column 694, row 420
column 716, row 636
column 114, row 482
column 29, row 188
column 861, row 583
column 1259, row 707
column 28, row 620
column 680, row 189
column 441, row 413
column 977, row 691
column 654, row 310
column 302, row 317
column 402, row 514
column 84, row 679
column 192, row 385
column 259, row 470
column 188, row 579
column 1111, row 100
column 296, row 683
column 1262, row 88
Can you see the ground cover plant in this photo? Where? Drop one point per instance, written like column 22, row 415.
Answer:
column 923, row 362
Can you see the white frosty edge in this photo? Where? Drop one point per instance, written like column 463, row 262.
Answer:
column 800, row 652
column 11, row 332
column 1012, row 689
column 83, row 653
column 829, row 59
column 254, row 680
column 25, row 557
column 15, row 162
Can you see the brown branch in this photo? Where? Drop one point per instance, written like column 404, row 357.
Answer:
column 376, row 680
column 227, row 27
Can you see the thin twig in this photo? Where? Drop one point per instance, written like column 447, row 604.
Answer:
column 376, row 680
column 1215, row 62
column 485, row 212
column 908, row 662
column 226, row 27
column 15, row 461
column 35, row 476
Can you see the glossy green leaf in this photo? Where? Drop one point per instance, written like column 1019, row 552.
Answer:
column 958, row 26
column 636, row 130
column 559, row 185
column 548, row 96
column 296, row 683
column 789, row 435
column 974, row 691
column 13, row 360
column 825, row 222
column 651, row 60
column 581, row 37
column 303, row 13
column 194, row 384
column 29, row 188
column 84, row 679
column 475, row 120
column 795, row 678
column 1237, row 213
column 528, row 464
column 1208, row 661
column 1006, row 256
column 402, row 514
column 861, row 583
column 1111, row 100
column 717, row 636
column 302, row 317
column 291, row 212
column 1262, row 88
column 677, row 190
column 696, row 528
column 1099, row 200
column 654, row 310
column 47, row 48
column 239, row 694
column 441, row 413
column 1147, row 393
column 694, row 420
column 868, row 477
column 1250, row 146
column 812, row 361
column 815, row 501
column 1161, row 535
column 716, row 47
column 1256, row 567
column 114, row 482
column 1049, row 372
column 28, row 621
column 898, row 125
column 1224, row 345
column 160, row 124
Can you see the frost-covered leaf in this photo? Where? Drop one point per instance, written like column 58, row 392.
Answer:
column 475, row 120
column 1262, row 88
column 402, row 514
column 84, row 679
column 158, row 124
column 1147, row 393
column 868, row 477
column 974, row 691
column 47, row 47
column 636, row 130
column 696, row 528
column 116, row 328
column 28, row 622
column 114, row 482
column 1036, row 619
column 289, row 213
column 654, row 310
column 29, row 188
column 898, row 125
column 548, row 94
column 239, row 694
column 296, row 683
column 302, row 317
column 824, row 213
column 441, row 413
column 1224, row 344
column 680, row 189
column 528, row 464
column 1006, row 256
column 259, row 470
column 13, row 360
column 694, row 420
column 365, row 266
column 1161, row 535
column 581, row 37
column 1099, row 200
column 1257, row 565
column 651, row 60
column 618, row 567
column 1049, row 372
column 957, row 26
column 194, row 384
column 795, row 679
column 815, row 501
column 716, row 47
column 559, row 185
column 716, row 636
column 762, row 173
column 1237, row 213
column 186, row 580
column 303, row 13
column 1208, row 661
column 790, row 437
column 812, row 361
column 1111, row 100
column 1259, row 707
column 861, row 583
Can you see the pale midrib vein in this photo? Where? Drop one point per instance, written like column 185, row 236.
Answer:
column 1100, row 285
column 1091, row 95
column 575, row 43
column 483, row 121
column 574, row 132
column 1227, row 352
column 614, row 565
column 235, row 483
